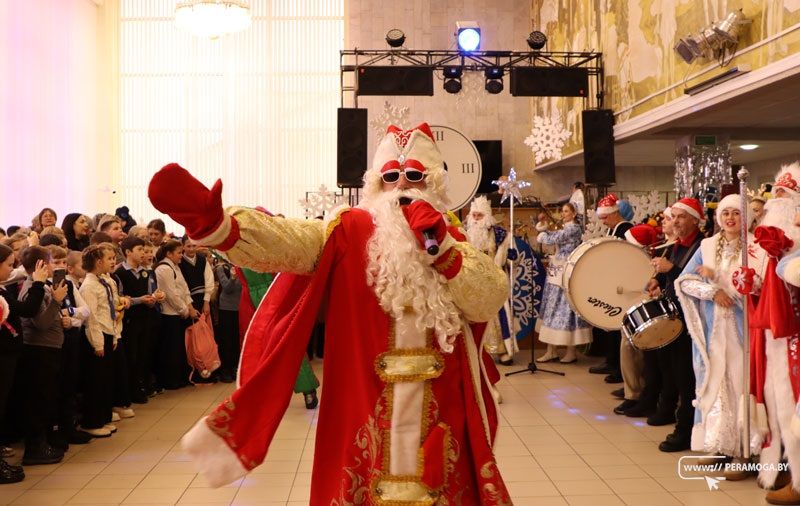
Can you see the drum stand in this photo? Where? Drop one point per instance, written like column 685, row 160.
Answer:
column 532, row 367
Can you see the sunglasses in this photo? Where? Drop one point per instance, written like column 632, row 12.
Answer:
column 411, row 175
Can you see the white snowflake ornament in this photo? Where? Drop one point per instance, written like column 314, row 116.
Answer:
column 391, row 115
column 547, row 138
column 644, row 205
column 320, row 202
column 594, row 227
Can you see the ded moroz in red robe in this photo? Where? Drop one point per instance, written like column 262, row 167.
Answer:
column 390, row 392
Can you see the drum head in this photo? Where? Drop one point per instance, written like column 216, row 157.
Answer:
column 657, row 333
column 604, row 278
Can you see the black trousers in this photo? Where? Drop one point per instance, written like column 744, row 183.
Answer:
column 8, row 368
column 121, row 375
column 611, row 340
column 227, row 338
column 41, row 366
column 172, row 367
column 677, row 376
column 99, row 391
column 136, row 335
column 69, row 379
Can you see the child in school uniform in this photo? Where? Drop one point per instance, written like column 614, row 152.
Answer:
column 103, row 330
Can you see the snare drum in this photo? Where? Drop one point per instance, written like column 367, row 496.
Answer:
column 603, row 278
column 652, row 324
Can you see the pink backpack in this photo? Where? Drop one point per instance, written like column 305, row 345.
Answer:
column 201, row 349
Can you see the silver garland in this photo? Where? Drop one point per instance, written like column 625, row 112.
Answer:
column 699, row 168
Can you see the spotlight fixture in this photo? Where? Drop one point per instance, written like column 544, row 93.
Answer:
column 452, row 78
column 395, row 38
column 494, row 80
column 468, row 36
column 537, row 40
column 717, row 41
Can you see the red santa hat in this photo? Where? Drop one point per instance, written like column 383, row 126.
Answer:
column 690, row 206
column 641, row 235
column 607, row 205
column 788, row 178
column 668, row 211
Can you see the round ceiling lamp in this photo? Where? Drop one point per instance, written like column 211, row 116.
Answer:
column 212, row 18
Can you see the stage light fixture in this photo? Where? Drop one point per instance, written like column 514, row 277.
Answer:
column 717, row 41
column 537, row 40
column 468, row 36
column 395, row 38
column 452, row 78
column 494, row 80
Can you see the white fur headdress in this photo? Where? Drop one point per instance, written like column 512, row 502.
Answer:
column 407, row 147
column 481, row 205
column 733, row 200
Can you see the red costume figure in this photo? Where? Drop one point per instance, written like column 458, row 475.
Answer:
column 406, row 416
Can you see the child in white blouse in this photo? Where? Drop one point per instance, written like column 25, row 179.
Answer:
column 102, row 333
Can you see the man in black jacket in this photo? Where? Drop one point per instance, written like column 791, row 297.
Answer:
column 675, row 359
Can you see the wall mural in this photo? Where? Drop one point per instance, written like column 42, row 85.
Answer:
column 636, row 37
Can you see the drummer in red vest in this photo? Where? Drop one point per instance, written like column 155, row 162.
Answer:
column 675, row 360
column 608, row 213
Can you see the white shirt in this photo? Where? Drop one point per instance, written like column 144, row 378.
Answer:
column 170, row 280
column 100, row 321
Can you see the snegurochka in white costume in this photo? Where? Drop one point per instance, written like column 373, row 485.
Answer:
column 486, row 235
column 713, row 312
column 558, row 324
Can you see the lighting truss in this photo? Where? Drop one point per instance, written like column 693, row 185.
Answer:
column 478, row 61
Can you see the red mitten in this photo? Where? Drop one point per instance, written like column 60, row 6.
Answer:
column 421, row 216
column 175, row 192
column 773, row 240
column 744, row 279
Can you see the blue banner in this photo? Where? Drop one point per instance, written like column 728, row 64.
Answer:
column 529, row 276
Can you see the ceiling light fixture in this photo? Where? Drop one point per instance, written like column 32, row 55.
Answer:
column 748, row 147
column 212, row 18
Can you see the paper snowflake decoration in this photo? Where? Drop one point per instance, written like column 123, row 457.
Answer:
column 320, row 202
column 594, row 227
column 644, row 205
column 392, row 115
column 547, row 138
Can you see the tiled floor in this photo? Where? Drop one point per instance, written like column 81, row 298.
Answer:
column 559, row 444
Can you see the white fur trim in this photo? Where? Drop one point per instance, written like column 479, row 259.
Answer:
column 698, row 438
column 218, row 236
column 732, row 201
column 477, row 371
column 689, row 209
column 3, row 310
column 447, row 243
column 481, row 204
column 791, row 273
column 212, row 457
column 602, row 211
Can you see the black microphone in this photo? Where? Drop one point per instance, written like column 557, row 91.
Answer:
column 431, row 244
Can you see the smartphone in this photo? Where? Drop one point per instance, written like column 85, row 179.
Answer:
column 59, row 275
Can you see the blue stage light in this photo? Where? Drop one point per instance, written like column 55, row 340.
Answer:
column 468, row 36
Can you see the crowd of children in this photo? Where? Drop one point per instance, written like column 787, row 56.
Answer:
column 92, row 320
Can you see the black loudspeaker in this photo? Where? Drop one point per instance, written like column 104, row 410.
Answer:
column 395, row 81
column 491, row 153
column 549, row 81
column 351, row 147
column 598, row 147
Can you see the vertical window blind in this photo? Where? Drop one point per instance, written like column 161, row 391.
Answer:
column 256, row 108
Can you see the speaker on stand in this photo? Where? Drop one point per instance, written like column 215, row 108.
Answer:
column 351, row 147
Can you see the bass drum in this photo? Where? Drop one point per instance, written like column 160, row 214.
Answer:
column 603, row 278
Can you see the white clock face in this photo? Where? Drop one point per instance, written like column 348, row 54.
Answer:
column 463, row 165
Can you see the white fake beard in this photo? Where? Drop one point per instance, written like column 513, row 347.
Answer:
column 480, row 234
column 779, row 212
column 401, row 273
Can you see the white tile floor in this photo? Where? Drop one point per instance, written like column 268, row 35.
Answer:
column 558, row 444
